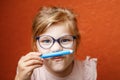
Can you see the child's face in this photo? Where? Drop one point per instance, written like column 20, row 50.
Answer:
column 57, row 64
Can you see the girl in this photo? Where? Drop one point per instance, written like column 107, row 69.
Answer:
column 55, row 29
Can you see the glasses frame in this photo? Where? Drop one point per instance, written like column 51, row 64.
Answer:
column 55, row 40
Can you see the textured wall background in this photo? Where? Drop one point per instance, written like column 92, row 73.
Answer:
column 98, row 21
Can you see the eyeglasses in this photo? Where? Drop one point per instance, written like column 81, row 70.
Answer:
column 47, row 42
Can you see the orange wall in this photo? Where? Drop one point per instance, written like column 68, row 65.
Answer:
column 98, row 21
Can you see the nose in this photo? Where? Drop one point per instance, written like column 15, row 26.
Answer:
column 56, row 47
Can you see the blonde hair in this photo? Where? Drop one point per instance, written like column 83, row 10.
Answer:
column 51, row 15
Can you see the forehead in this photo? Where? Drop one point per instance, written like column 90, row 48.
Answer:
column 57, row 30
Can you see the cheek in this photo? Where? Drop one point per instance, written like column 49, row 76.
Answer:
column 41, row 50
column 70, row 57
column 75, row 45
column 69, row 60
column 49, row 63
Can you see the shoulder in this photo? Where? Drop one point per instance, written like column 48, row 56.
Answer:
column 90, row 68
column 87, row 63
column 86, row 69
column 90, row 62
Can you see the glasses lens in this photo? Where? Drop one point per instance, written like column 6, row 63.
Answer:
column 66, row 41
column 45, row 41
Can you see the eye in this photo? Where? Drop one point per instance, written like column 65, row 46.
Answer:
column 45, row 41
column 65, row 40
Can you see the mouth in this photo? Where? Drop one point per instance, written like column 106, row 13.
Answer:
column 58, row 58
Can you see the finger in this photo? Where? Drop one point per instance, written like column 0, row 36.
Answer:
column 30, row 61
column 31, row 68
column 27, row 58
column 34, row 53
column 31, row 55
column 33, row 62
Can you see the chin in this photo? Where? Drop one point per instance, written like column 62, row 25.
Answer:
column 58, row 66
column 58, row 70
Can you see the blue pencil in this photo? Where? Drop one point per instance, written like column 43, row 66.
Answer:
column 55, row 54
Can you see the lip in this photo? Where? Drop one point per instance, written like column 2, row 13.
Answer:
column 59, row 58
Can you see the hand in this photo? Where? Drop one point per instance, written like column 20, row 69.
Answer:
column 27, row 64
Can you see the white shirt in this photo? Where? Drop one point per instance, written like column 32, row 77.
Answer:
column 82, row 70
